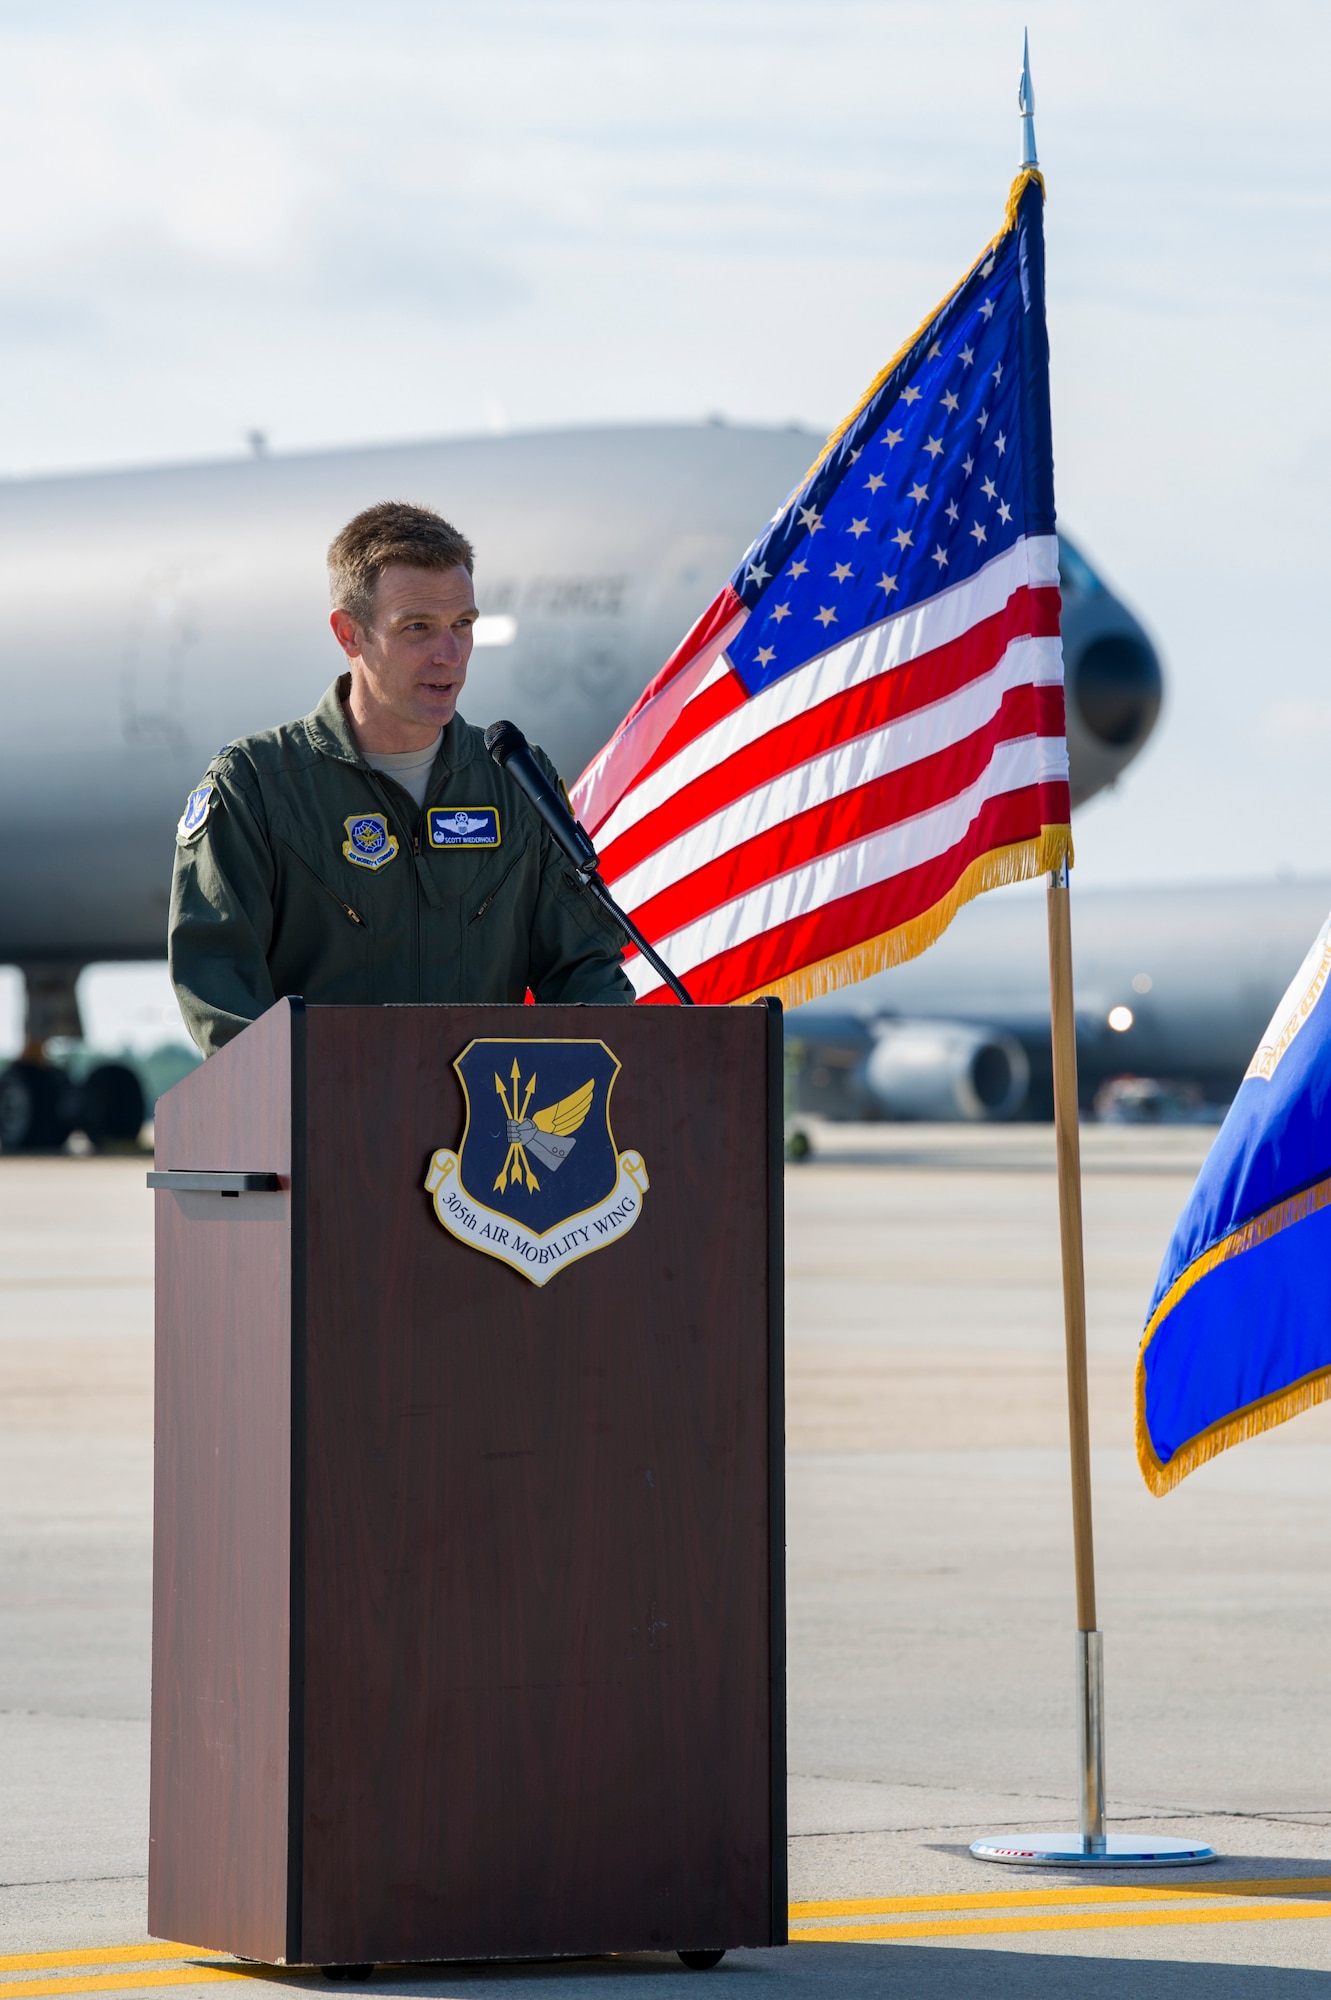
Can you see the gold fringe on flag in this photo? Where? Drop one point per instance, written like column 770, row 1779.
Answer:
column 1253, row 1418
column 1015, row 193
column 1021, row 862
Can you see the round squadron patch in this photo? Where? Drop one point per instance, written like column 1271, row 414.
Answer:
column 195, row 816
column 368, row 843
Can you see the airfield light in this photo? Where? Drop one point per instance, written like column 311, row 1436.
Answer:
column 500, row 628
column 1120, row 1019
column 1142, row 982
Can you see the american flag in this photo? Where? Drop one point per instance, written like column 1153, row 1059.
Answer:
column 865, row 729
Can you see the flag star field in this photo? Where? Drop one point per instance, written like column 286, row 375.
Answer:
column 906, row 504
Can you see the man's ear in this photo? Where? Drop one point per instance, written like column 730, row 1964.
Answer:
column 347, row 633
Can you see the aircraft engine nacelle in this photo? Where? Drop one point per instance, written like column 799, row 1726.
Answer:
column 946, row 1070
column 1112, row 674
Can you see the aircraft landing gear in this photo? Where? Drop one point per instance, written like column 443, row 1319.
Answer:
column 40, row 1105
column 35, row 1108
column 700, row 1961
column 110, row 1104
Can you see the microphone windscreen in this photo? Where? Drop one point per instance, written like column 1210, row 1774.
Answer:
column 502, row 739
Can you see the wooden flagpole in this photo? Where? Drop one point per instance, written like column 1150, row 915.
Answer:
column 1067, row 1138
column 1090, row 1846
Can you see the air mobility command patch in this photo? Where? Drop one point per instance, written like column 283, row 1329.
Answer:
column 195, row 816
column 536, row 1179
column 463, row 826
column 368, row 843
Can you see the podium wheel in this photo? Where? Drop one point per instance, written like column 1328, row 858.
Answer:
column 356, row 1972
column 700, row 1961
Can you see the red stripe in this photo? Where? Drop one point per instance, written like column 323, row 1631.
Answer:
column 837, row 822
column 855, row 711
column 869, row 913
column 1051, row 709
column 714, row 619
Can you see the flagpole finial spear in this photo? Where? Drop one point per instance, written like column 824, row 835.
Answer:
column 1026, row 104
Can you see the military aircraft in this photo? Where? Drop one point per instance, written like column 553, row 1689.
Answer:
column 153, row 615
column 1174, row 987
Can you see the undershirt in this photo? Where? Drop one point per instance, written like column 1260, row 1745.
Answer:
column 408, row 768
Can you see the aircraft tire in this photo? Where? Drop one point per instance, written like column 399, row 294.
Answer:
column 700, row 1961
column 111, row 1103
column 34, row 1108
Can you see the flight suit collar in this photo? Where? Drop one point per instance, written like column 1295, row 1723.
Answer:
column 329, row 732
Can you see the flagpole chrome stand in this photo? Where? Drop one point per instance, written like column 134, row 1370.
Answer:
column 1091, row 1846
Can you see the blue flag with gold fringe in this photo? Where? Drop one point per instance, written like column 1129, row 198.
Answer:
column 1239, row 1333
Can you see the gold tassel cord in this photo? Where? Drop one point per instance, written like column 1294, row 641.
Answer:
column 1015, row 193
column 1253, row 1418
column 1021, row 862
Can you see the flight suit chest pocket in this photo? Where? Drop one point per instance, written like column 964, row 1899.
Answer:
column 490, row 882
column 306, row 883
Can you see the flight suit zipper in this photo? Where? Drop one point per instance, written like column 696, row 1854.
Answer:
column 352, row 916
column 395, row 813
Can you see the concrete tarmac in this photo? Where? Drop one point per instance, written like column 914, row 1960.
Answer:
column 931, row 1610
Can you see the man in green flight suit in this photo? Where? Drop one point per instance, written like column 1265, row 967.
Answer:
column 372, row 851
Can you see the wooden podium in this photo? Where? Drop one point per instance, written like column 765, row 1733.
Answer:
column 468, row 1605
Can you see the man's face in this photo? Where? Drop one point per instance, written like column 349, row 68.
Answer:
column 412, row 663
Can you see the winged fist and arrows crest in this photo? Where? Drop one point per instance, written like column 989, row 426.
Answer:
column 537, row 1179
column 548, row 1133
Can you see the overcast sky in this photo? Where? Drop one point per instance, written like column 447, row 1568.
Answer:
column 345, row 223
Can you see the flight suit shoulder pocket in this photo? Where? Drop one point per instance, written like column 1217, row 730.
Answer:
column 591, row 914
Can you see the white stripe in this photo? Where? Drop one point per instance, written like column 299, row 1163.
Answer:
column 859, row 865
column 832, row 773
column 943, row 619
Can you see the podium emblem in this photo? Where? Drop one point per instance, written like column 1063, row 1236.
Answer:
column 537, row 1180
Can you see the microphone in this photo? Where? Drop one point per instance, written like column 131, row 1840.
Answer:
column 512, row 752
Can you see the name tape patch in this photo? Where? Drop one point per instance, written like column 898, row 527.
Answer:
column 368, row 843
column 464, row 826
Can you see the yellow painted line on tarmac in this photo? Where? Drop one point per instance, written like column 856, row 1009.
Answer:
column 110, row 1982
column 103, row 1954
column 1105, row 1918
column 124, row 1957
column 1095, row 1893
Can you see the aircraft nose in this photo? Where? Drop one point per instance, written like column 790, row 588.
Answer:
column 1118, row 686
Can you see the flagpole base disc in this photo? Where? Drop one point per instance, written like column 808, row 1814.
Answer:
column 1065, row 1850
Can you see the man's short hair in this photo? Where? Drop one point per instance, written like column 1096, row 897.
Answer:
column 392, row 532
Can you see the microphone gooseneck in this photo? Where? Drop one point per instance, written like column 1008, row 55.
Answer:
column 512, row 752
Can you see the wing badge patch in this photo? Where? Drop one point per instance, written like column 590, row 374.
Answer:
column 536, row 1180
column 368, row 843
